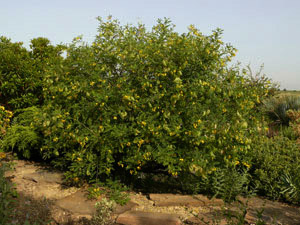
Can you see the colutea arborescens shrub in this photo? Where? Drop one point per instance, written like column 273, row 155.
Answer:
column 137, row 100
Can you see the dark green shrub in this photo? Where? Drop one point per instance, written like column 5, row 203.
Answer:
column 22, row 71
column 22, row 137
column 275, row 169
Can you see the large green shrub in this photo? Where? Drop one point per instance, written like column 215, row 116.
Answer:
column 138, row 101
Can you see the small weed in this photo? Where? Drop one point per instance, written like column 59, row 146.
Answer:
column 104, row 210
column 113, row 190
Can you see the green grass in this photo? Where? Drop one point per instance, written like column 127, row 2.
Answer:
column 288, row 92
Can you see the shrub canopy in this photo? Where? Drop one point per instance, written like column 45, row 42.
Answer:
column 138, row 100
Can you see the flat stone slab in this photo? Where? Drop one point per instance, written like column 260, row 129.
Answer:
column 44, row 176
column 123, row 208
column 182, row 200
column 78, row 203
column 147, row 218
column 202, row 220
column 273, row 211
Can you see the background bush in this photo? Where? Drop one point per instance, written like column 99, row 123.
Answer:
column 22, row 71
column 276, row 108
column 276, row 160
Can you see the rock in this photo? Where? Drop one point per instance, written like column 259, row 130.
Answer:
column 60, row 216
column 78, row 203
column 209, row 202
column 202, row 220
column 147, row 218
column 194, row 221
column 174, row 200
column 44, row 176
column 19, row 163
column 123, row 208
column 10, row 174
column 183, row 200
column 272, row 212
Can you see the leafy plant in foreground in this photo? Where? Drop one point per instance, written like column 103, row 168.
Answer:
column 7, row 193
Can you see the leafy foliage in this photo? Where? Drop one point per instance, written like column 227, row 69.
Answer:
column 104, row 211
column 5, row 117
column 137, row 101
column 7, row 193
column 21, row 136
column 22, row 71
column 276, row 161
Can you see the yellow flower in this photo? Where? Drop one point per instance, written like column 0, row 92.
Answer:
column 220, row 42
column 181, row 160
column 143, row 123
column 2, row 108
column 2, row 155
column 138, row 167
column 76, row 179
column 79, row 159
column 55, row 139
column 115, row 117
column 92, row 83
column 236, row 163
column 246, row 164
column 10, row 114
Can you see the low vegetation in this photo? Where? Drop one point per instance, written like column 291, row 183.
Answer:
column 138, row 103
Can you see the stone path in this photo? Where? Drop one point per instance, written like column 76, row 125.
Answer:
column 71, row 204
